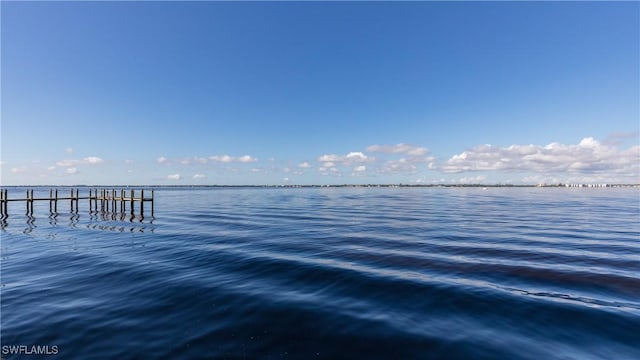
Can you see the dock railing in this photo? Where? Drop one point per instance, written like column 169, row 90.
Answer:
column 100, row 201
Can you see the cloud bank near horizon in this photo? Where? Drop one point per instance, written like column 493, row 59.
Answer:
column 589, row 156
column 587, row 161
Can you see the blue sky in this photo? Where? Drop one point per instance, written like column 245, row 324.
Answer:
column 319, row 92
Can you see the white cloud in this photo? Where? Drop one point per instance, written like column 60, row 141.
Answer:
column 17, row 170
column 199, row 176
column 51, row 168
column 229, row 159
column 329, row 158
column 2, row 163
column 93, row 160
column 329, row 171
column 361, row 168
column 246, row 159
column 72, row 170
column 221, row 158
column 194, row 160
column 399, row 149
column 68, row 150
column 412, row 157
column 129, row 161
column 67, row 163
column 174, row 177
column 588, row 157
column 304, row 165
column 354, row 157
column 216, row 158
column 399, row 166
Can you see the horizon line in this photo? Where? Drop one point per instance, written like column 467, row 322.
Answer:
column 598, row 185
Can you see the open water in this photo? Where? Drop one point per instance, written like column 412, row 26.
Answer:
column 329, row 273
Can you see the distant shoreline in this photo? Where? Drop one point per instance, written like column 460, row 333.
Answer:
column 339, row 186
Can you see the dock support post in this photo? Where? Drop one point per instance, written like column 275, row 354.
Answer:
column 50, row 200
column 132, row 194
column 152, row 201
column 29, row 202
column 55, row 203
column 2, row 201
column 141, row 203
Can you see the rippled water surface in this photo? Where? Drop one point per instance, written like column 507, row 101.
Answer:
column 509, row 273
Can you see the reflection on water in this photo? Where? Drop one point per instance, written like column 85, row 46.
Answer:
column 95, row 220
column 30, row 224
column 119, row 228
column 107, row 216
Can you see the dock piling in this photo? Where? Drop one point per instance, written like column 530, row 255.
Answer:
column 28, row 202
column 142, row 203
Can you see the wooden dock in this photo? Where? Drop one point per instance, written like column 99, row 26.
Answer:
column 100, row 201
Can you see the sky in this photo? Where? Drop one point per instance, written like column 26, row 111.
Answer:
column 252, row 93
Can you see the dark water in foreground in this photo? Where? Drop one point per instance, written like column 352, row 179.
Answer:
column 331, row 273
